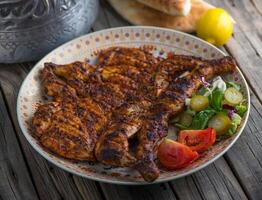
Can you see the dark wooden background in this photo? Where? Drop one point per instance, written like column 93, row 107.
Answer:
column 25, row 175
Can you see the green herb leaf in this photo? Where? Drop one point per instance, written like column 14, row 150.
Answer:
column 216, row 99
column 236, row 120
column 203, row 91
column 241, row 109
column 231, row 131
column 175, row 120
column 191, row 112
column 234, row 85
column 180, row 126
column 201, row 119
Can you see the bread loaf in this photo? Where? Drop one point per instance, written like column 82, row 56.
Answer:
column 140, row 14
column 171, row 7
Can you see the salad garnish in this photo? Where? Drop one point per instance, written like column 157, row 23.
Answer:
column 219, row 105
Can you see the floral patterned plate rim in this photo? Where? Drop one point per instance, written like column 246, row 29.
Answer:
column 161, row 41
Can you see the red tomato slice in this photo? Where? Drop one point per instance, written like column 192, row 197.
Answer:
column 198, row 140
column 174, row 155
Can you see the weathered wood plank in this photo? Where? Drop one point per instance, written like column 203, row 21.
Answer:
column 248, row 58
column 214, row 182
column 50, row 181
column 152, row 192
column 114, row 19
column 108, row 18
column 15, row 181
column 101, row 20
column 258, row 5
column 245, row 157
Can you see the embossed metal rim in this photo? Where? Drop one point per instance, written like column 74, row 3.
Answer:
column 40, row 151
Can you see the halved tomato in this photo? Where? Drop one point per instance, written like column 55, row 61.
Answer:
column 198, row 140
column 174, row 155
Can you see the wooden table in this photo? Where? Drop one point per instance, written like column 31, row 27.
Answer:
column 24, row 174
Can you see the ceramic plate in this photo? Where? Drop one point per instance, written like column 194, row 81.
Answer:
column 85, row 48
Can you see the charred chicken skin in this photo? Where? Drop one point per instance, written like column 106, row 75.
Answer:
column 95, row 110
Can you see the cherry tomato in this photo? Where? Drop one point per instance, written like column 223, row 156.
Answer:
column 174, row 155
column 198, row 140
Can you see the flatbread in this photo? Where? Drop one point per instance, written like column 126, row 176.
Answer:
column 170, row 7
column 140, row 14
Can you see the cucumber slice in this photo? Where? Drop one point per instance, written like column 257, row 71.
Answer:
column 220, row 122
column 233, row 96
column 199, row 103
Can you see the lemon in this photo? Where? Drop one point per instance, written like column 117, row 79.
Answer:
column 215, row 26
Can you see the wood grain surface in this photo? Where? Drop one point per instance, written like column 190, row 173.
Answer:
column 24, row 174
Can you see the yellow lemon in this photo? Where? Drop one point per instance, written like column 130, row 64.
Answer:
column 215, row 26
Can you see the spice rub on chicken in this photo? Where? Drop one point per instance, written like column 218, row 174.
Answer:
column 94, row 110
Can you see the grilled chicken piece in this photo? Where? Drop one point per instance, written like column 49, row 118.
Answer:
column 54, row 87
column 61, row 131
column 133, row 69
column 86, row 96
column 121, row 75
column 133, row 80
column 153, row 129
column 93, row 117
column 42, row 117
column 172, row 67
column 170, row 103
column 70, row 129
column 127, row 56
column 76, row 71
column 112, row 148
column 51, row 122
column 107, row 95
column 121, row 64
column 75, row 79
column 76, row 75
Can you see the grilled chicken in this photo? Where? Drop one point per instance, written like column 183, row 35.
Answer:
column 127, row 56
column 69, row 125
column 170, row 103
column 96, row 110
column 134, row 69
column 172, row 67
column 86, row 96
column 113, row 147
column 54, row 87
column 60, row 130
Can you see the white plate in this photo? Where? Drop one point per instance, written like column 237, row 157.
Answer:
column 85, row 48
